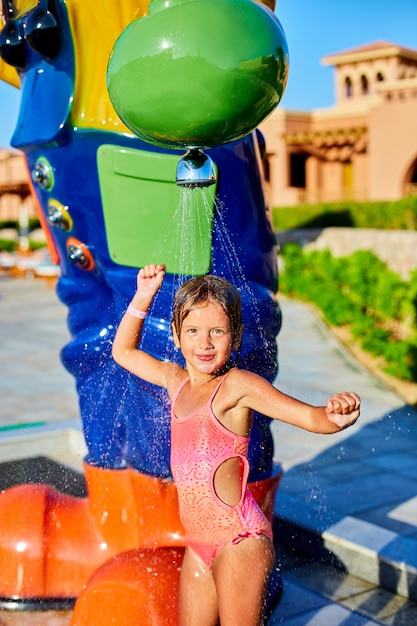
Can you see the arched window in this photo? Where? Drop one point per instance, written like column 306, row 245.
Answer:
column 348, row 87
column 364, row 85
column 410, row 180
column 380, row 77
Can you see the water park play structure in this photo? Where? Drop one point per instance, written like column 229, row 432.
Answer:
column 111, row 98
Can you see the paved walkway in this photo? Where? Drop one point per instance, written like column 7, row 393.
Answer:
column 346, row 526
column 34, row 386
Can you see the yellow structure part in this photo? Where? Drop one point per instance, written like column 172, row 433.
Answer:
column 8, row 74
column 95, row 29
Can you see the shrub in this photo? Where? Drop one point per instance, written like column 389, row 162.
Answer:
column 359, row 291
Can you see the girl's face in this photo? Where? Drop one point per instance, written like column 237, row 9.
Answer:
column 205, row 339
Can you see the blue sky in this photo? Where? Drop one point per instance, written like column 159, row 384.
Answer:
column 314, row 29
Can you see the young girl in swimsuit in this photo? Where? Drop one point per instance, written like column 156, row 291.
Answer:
column 229, row 553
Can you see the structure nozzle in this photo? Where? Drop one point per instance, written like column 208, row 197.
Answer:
column 195, row 169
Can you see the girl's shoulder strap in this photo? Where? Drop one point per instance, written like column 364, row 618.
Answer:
column 219, row 384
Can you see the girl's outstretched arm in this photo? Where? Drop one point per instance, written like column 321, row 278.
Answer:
column 342, row 409
column 125, row 351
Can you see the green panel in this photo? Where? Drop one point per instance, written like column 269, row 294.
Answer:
column 148, row 217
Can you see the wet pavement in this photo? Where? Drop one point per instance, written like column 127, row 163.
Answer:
column 346, row 511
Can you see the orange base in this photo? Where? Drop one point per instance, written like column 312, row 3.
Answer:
column 51, row 543
column 125, row 530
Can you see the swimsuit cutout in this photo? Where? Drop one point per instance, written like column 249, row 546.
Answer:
column 199, row 446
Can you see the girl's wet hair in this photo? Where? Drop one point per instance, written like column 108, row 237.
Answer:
column 202, row 289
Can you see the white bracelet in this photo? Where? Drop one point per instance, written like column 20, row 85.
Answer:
column 136, row 313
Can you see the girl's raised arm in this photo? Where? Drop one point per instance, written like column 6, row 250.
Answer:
column 125, row 351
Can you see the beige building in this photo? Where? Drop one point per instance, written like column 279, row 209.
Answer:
column 362, row 148
column 15, row 199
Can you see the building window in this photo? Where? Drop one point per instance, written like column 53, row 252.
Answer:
column 348, row 87
column 380, row 77
column 364, row 85
column 298, row 170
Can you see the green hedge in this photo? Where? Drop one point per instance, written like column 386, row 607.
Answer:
column 7, row 245
column 400, row 215
column 361, row 292
column 33, row 224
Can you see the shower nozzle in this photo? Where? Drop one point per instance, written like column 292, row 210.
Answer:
column 195, row 169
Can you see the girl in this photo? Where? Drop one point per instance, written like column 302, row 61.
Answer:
column 229, row 552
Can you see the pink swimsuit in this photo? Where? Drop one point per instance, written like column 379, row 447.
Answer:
column 199, row 445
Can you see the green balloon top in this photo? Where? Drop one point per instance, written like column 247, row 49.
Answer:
column 198, row 73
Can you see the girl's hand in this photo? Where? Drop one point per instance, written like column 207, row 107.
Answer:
column 150, row 279
column 343, row 409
